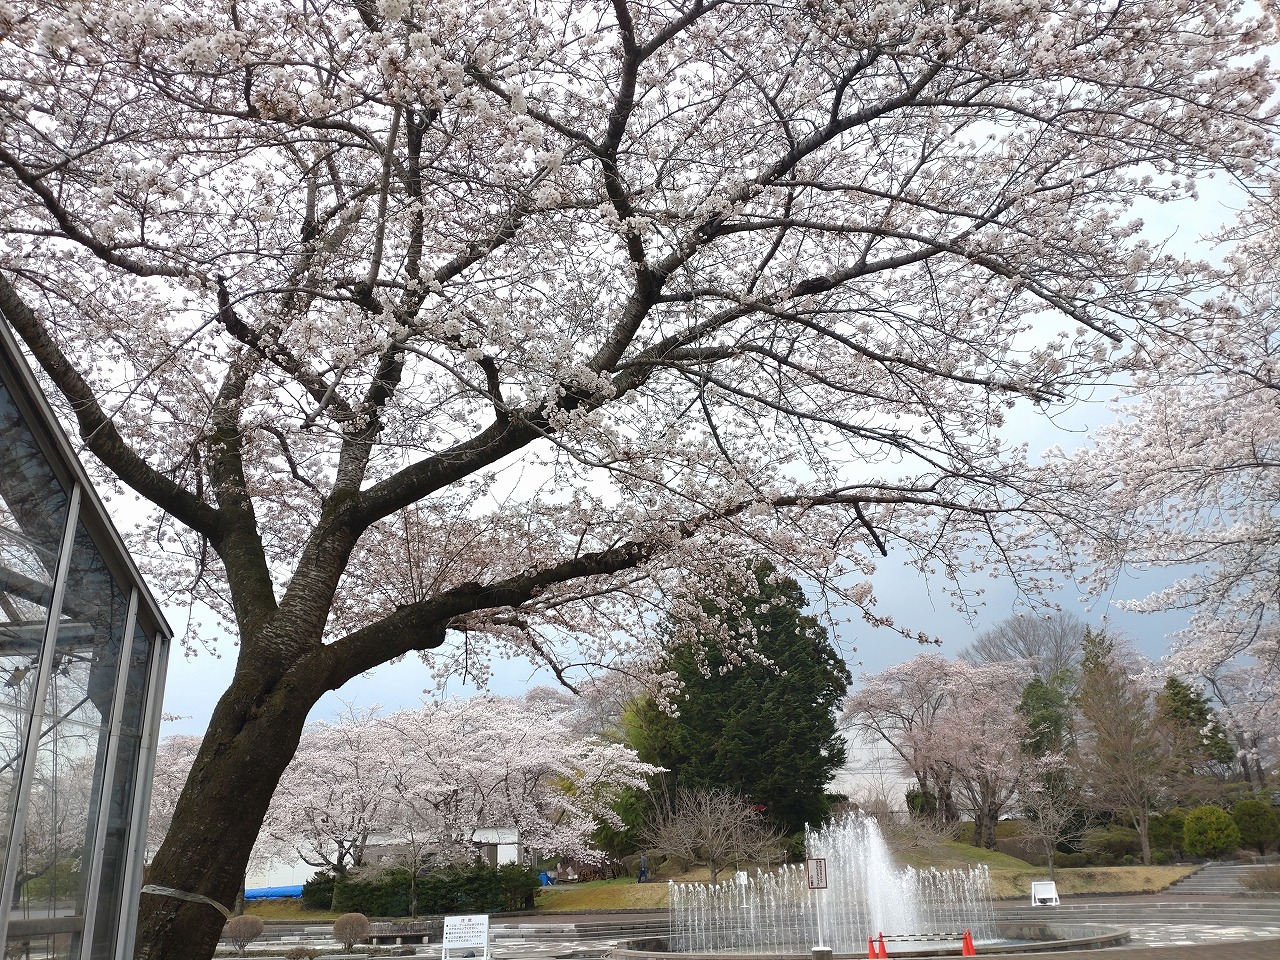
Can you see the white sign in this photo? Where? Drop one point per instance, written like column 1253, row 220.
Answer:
column 1044, row 893
column 469, row 932
column 815, row 869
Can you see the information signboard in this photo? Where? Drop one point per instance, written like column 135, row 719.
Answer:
column 465, row 935
column 815, row 869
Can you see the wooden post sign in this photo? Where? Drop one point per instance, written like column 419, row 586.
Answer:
column 465, row 936
column 815, row 869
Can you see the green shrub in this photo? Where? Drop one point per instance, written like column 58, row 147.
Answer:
column 301, row 953
column 482, row 889
column 1071, row 860
column 1113, row 841
column 61, row 881
column 317, row 893
column 1258, row 824
column 1160, row 858
column 1210, row 832
column 922, row 804
column 384, row 894
column 1165, row 832
column 470, row 889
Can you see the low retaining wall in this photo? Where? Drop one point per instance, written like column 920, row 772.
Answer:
column 1024, row 936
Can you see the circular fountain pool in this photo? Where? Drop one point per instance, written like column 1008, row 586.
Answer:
column 1014, row 937
column 862, row 893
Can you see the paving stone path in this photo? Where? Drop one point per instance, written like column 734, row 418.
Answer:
column 1159, row 930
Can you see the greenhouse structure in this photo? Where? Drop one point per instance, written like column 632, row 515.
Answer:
column 83, row 649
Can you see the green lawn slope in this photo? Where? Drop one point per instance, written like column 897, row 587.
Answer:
column 1010, row 877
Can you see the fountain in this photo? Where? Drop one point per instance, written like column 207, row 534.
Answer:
column 776, row 914
column 866, row 895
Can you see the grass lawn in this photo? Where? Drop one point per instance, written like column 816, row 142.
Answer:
column 1010, row 877
column 290, row 909
column 623, row 893
column 1016, row 884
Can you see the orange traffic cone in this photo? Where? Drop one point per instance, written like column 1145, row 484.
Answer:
column 967, row 949
column 871, row 949
column 884, row 951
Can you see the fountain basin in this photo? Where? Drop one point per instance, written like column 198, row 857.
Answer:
column 1019, row 936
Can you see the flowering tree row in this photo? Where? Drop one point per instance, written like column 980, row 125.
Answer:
column 420, row 781
column 1111, row 736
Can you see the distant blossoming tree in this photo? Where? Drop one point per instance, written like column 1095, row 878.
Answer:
column 1187, row 481
column 425, row 778
column 468, row 327
column 955, row 727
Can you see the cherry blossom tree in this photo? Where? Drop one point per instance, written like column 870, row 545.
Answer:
column 1187, row 479
column 981, row 742
column 471, row 327
column 423, row 780
column 900, row 707
column 174, row 757
column 956, row 728
column 334, row 795
column 495, row 762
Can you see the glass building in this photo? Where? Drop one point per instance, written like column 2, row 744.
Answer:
column 83, row 649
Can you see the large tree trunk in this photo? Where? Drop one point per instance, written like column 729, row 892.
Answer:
column 251, row 739
column 1142, row 821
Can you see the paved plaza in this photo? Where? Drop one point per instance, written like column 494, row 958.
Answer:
column 1175, row 939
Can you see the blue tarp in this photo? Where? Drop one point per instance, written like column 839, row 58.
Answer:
column 273, row 893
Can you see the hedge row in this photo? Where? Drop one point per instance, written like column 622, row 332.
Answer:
column 395, row 893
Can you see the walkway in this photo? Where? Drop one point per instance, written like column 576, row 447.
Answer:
column 1211, row 928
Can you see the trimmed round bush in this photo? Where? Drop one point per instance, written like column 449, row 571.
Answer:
column 243, row 930
column 350, row 929
column 1114, row 841
column 1258, row 824
column 1210, row 832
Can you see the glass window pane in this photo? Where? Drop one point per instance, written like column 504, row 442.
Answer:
column 124, row 786
column 70, row 762
column 33, row 514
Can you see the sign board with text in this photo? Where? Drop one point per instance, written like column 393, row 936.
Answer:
column 465, row 936
column 815, row 869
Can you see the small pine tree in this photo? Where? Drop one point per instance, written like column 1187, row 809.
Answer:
column 1210, row 832
column 1259, row 825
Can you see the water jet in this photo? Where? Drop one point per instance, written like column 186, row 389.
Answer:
column 775, row 914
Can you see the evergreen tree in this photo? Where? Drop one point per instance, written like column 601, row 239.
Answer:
column 766, row 730
column 1124, row 761
column 1258, row 823
column 1195, row 724
column 1046, row 705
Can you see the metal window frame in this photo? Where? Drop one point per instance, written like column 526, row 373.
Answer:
column 84, row 506
column 110, row 761
column 31, row 743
